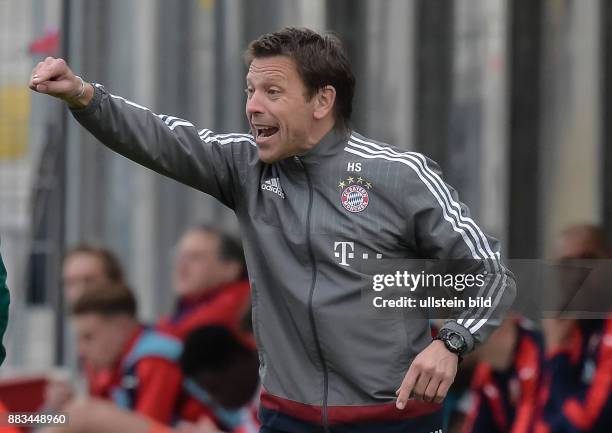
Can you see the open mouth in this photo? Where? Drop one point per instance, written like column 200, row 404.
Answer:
column 265, row 132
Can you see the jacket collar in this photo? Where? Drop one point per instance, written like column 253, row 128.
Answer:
column 332, row 143
column 188, row 303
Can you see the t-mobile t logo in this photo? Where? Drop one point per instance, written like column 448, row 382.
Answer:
column 344, row 252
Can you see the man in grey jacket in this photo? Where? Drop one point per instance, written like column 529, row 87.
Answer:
column 317, row 202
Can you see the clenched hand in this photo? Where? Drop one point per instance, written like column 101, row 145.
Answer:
column 53, row 77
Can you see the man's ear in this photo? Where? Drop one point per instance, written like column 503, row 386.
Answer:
column 324, row 102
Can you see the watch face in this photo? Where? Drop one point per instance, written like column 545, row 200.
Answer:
column 456, row 341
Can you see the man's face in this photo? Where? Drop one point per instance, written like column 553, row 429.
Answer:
column 198, row 264
column 280, row 116
column 100, row 339
column 80, row 272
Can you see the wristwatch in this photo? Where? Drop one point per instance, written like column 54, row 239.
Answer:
column 453, row 341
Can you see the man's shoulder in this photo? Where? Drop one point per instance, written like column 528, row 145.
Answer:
column 153, row 343
column 240, row 148
column 391, row 158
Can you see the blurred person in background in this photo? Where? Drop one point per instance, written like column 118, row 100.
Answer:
column 221, row 368
column 506, row 381
column 209, row 280
column 86, row 266
column 576, row 394
column 301, row 185
column 144, row 374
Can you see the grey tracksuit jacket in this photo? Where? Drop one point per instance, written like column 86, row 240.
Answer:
column 308, row 222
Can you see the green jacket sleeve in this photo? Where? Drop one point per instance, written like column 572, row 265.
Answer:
column 4, row 307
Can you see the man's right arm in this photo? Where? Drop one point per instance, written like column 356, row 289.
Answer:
column 166, row 144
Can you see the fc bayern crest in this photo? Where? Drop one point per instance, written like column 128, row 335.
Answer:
column 355, row 198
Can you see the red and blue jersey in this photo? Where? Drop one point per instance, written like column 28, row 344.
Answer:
column 505, row 401
column 146, row 378
column 576, row 395
column 225, row 307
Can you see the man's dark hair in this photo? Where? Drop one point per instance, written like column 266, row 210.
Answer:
column 211, row 349
column 106, row 300
column 112, row 266
column 320, row 59
column 230, row 248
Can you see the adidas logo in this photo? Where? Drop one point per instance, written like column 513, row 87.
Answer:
column 273, row 185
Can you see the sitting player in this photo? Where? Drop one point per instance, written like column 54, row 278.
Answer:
column 505, row 383
column 222, row 372
column 577, row 385
column 145, row 376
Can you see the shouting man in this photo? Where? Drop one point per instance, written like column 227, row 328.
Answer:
column 315, row 199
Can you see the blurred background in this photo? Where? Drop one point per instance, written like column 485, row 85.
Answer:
column 512, row 97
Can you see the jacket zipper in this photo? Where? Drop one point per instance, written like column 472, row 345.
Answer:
column 311, row 293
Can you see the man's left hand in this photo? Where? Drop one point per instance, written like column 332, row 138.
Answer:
column 430, row 375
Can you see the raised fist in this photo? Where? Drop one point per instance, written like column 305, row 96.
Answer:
column 53, row 77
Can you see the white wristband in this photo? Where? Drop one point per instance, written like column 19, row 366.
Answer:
column 82, row 92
